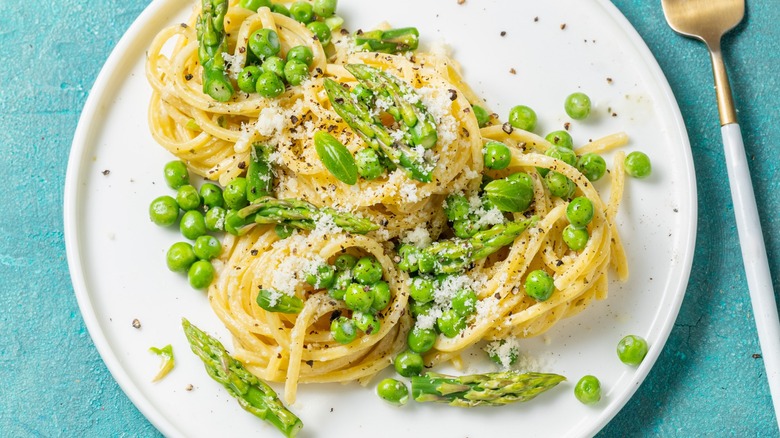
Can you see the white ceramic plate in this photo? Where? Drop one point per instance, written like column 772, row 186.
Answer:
column 116, row 255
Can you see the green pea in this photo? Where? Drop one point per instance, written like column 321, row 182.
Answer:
column 235, row 194
column 408, row 255
column 207, row 247
column 274, row 64
column 393, row 391
column 358, row 297
column 421, row 289
column 192, row 224
column 451, row 323
column 425, row 262
column 421, row 340
column 539, row 285
column 638, row 164
column 592, row 166
column 632, row 350
column 211, row 195
column 302, row 11
column 176, row 174
column 465, row 228
column 180, row 257
column 483, row 117
column 343, row 330
column 325, row 8
column 164, row 211
column 247, row 79
column 215, row 219
column 321, row 31
column 559, row 185
column 343, row 279
column 408, row 363
column 577, row 105
column 366, row 322
column 336, row 293
column 566, row 155
column 560, row 138
column 188, row 198
column 300, row 53
column 369, row 165
column 264, row 43
column 201, row 274
column 295, row 72
column 522, row 117
column 579, row 212
column 417, row 309
column 456, row 207
column 323, row 278
column 511, row 195
column 280, row 9
column 496, row 155
column 367, row 270
column 345, row 262
column 381, row 293
column 464, row 302
column 575, row 238
column 588, row 390
column 283, row 231
column 269, row 85
column 254, row 5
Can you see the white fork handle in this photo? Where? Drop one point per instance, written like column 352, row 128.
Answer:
column 751, row 240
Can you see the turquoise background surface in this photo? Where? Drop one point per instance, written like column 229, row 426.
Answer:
column 709, row 380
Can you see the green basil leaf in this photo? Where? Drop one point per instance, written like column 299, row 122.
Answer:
column 336, row 157
column 512, row 194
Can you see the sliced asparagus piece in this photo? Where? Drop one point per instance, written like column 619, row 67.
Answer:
column 454, row 255
column 210, row 27
column 490, row 389
column 252, row 394
column 302, row 214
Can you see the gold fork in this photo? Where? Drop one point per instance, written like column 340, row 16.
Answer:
column 708, row 20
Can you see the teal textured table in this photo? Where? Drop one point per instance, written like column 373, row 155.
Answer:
column 709, row 380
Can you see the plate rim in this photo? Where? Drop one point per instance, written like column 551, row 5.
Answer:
column 72, row 204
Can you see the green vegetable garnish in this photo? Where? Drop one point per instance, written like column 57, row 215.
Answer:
column 252, row 394
column 212, row 42
column 273, row 301
column 490, row 389
column 336, row 157
column 166, row 354
column 388, row 41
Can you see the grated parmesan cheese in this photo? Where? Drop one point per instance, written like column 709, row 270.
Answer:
column 419, row 237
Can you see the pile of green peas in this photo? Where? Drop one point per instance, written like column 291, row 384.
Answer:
column 266, row 72
column 450, row 324
column 357, row 281
column 192, row 258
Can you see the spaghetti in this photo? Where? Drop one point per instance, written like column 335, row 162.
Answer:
column 215, row 140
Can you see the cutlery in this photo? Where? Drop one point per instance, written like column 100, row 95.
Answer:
column 708, row 21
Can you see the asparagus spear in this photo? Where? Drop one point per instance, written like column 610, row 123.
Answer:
column 454, row 255
column 274, row 301
column 418, row 123
column 490, row 389
column 388, row 41
column 302, row 214
column 358, row 116
column 252, row 394
column 210, row 27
